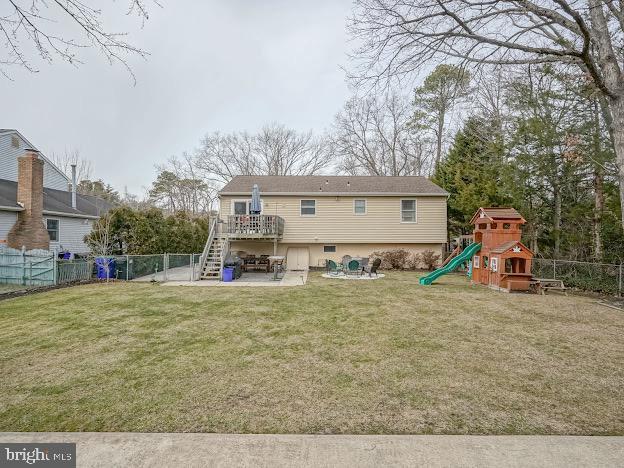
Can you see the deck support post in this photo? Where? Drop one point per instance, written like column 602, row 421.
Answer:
column 275, row 246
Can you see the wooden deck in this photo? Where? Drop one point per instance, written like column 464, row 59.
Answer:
column 257, row 227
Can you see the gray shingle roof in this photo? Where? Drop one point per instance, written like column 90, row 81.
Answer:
column 331, row 185
column 56, row 200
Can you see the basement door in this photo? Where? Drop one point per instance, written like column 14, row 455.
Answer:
column 298, row 258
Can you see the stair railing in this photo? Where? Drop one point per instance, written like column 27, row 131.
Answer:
column 211, row 236
column 225, row 250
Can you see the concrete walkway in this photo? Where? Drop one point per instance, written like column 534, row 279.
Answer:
column 147, row 450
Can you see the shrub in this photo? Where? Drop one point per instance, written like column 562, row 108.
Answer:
column 393, row 259
column 429, row 259
column 414, row 261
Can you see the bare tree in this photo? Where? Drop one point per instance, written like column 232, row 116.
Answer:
column 179, row 187
column 398, row 38
column 100, row 242
column 275, row 150
column 375, row 136
column 31, row 24
column 65, row 161
column 443, row 88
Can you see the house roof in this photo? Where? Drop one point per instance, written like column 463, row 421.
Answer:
column 508, row 245
column 497, row 213
column 333, row 185
column 55, row 201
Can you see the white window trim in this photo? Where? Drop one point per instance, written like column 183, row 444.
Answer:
column 415, row 210
column 301, row 206
column 365, row 206
column 330, row 245
column 475, row 261
column 248, row 201
column 494, row 263
column 58, row 229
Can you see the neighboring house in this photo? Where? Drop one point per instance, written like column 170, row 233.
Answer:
column 312, row 218
column 37, row 208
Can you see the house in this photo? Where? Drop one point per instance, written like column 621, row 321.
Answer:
column 37, row 207
column 309, row 219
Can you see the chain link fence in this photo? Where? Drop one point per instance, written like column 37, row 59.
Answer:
column 598, row 277
column 160, row 267
column 21, row 270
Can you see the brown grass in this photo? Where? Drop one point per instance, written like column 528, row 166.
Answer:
column 385, row 356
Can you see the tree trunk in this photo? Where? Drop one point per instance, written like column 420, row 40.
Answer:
column 598, row 180
column 617, row 111
column 598, row 208
column 440, row 130
column 557, row 220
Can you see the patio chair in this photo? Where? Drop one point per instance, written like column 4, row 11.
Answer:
column 263, row 262
column 374, row 267
column 353, row 267
column 332, row 267
column 363, row 264
column 250, row 261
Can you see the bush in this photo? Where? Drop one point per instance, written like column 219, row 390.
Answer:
column 429, row 259
column 393, row 259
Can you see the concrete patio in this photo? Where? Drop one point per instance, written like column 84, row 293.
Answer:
column 249, row 279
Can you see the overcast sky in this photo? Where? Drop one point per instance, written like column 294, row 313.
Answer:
column 214, row 65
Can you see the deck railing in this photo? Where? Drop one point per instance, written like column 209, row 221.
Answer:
column 255, row 225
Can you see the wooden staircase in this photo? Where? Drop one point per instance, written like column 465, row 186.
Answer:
column 214, row 252
column 213, row 262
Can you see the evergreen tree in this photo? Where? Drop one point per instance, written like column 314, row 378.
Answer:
column 473, row 174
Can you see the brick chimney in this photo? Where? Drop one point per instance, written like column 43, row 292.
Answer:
column 28, row 231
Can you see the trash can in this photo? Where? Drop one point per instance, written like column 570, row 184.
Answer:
column 103, row 264
column 228, row 274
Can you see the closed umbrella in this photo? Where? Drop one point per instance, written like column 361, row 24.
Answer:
column 256, row 206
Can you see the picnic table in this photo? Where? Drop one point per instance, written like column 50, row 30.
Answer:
column 541, row 285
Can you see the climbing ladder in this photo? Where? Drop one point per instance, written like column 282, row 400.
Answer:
column 213, row 254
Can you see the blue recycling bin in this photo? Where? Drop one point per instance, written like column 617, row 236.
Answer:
column 102, row 264
column 228, row 274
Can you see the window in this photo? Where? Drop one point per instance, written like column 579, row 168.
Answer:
column 52, row 225
column 494, row 263
column 240, row 207
column 308, row 207
column 408, row 211
column 329, row 249
column 485, row 262
column 506, row 226
column 359, row 207
column 15, row 143
column 475, row 262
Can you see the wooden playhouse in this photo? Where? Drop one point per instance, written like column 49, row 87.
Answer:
column 503, row 262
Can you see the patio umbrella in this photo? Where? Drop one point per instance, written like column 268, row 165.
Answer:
column 256, row 206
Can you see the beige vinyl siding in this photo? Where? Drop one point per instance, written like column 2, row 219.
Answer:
column 335, row 221
column 318, row 256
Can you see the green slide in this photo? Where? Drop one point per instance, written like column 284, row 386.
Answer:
column 465, row 256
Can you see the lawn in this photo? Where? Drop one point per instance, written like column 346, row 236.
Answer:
column 386, row 356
